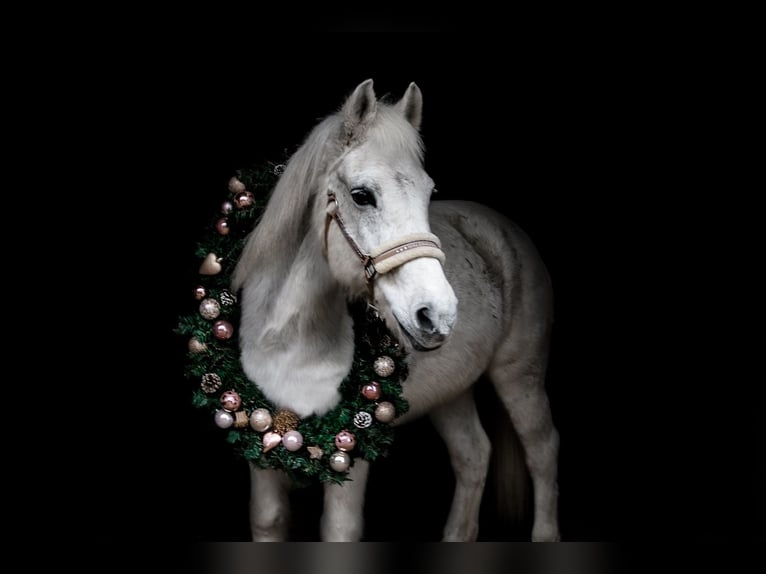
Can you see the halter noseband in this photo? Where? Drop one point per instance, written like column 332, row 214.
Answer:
column 389, row 255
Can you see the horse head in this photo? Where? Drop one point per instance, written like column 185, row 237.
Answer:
column 377, row 236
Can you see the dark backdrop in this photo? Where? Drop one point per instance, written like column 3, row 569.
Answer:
column 605, row 153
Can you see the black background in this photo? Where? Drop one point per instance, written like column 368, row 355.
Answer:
column 613, row 152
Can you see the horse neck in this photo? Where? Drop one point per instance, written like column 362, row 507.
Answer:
column 296, row 334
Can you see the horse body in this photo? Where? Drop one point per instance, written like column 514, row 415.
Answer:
column 486, row 311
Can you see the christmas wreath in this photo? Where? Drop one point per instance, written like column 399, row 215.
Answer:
column 314, row 448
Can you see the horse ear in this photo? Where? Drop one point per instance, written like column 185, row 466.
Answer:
column 360, row 109
column 411, row 105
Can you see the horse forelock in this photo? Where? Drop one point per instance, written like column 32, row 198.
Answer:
column 272, row 245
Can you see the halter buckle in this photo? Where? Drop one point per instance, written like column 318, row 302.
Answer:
column 369, row 269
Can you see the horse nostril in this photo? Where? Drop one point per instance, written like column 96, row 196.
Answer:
column 423, row 316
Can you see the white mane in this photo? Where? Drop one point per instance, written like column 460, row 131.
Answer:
column 296, row 336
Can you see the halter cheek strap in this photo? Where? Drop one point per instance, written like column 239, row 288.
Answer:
column 390, row 255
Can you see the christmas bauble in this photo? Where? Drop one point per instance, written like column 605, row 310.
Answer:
column 260, row 420
column 231, row 401
column 223, row 419
column 293, row 440
column 222, row 226
column 285, row 420
column 200, row 293
column 371, row 391
column 385, row 412
column 244, row 199
column 383, row 366
column 340, row 461
column 235, row 185
column 227, row 207
column 223, row 330
column 345, row 440
column 209, row 309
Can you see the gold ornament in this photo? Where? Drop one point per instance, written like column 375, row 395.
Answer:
column 385, row 412
column 241, row 419
column 260, row 420
column 315, row 451
column 285, row 420
column 211, row 265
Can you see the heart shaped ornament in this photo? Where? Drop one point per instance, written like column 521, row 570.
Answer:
column 270, row 440
column 211, row 265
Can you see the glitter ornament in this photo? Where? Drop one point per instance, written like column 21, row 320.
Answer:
column 235, row 185
column 260, row 420
column 385, row 412
column 345, row 440
column 285, row 420
column 223, row 419
column 196, row 346
column 231, row 401
column 362, row 420
column 211, row 382
column 371, row 391
column 383, row 366
column 211, row 265
column 223, row 330
column 200, row 293
column 270, row 440
column 293, row 440
column 244, row 199
column 209, row 309
column 340, row 461
column 222, row 226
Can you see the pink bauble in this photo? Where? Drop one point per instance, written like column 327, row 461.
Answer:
column 345, row 440
column 371, row 391
column 223, row 330
column 200, row 293
column 223, row 419
column 222, row 226
column 231, row 401
column 293, row 440
column 244, row 199
column 227, row 207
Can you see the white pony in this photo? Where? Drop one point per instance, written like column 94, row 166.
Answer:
column 465, row 292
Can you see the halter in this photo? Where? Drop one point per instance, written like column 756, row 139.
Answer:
column 389, row 255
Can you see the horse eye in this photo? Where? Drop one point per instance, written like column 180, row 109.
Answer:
column 363, row 196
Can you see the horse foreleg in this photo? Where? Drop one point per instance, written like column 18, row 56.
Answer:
column 469, row 449
column 524, row 397
column 343, row 518
column 269, row 505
